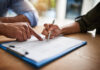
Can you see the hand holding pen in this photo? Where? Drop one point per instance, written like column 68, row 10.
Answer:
column 51, row 31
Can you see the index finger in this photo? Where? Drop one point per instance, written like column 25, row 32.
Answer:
column 35, row 34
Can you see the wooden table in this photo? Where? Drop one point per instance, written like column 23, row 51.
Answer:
column 84, row 58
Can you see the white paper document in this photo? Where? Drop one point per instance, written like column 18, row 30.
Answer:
column 41, row 50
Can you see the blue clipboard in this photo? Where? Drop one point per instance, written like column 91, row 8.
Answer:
column 42, row 63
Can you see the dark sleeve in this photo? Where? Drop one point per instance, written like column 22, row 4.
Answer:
column 91, row 20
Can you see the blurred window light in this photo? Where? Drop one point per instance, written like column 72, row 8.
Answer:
column 73, row 8
column 45, row 8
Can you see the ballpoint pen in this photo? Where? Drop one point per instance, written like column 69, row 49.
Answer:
column 50, row 31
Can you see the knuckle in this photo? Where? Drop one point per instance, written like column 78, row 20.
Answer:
column 19, row 32
column 25, row 25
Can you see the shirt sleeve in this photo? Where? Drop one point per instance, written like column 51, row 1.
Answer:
column 91, row 20
column 25, row 8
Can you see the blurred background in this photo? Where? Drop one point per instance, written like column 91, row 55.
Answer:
column 64, row 11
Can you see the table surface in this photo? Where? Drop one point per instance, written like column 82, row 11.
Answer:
column 84, row 58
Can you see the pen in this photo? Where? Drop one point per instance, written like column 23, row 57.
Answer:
column 50, row 31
